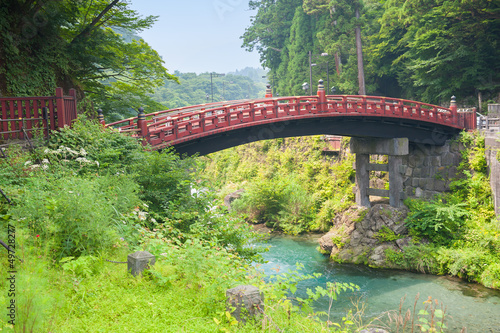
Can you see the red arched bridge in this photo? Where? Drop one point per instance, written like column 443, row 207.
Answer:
column 207, row 128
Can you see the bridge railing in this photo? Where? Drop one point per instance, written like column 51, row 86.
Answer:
column 170, row 127
column 21, row 116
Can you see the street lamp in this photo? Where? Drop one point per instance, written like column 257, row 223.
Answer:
column 311, row 55
column 305, row 86
column 213, row 74
column 334, row 90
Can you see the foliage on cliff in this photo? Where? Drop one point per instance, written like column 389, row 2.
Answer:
column 462, row 228
column 289, row 184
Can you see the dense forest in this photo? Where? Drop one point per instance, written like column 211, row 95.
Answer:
column 422, row 50
column 203, row 88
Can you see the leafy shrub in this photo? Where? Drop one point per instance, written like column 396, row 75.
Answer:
column 466, row 263
column 420, row 258
column 439, row 220
column 490, row 277
column 73, row 216
column 385, row 235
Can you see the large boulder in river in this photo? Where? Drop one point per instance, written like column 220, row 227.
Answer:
column 362, row 235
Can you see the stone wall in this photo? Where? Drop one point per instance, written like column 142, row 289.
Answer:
column 428, row 170
column 492, row 150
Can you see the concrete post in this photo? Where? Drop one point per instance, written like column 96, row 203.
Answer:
column 362, row 180
column 395, row 181
column 139, row 261
column 244, row 302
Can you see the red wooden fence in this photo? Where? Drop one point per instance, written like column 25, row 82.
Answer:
column 20, row 115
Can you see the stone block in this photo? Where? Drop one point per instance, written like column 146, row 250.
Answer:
column 439, row 186
column 139, row 261
column 409, row 172
column 436, row 161
column 447, row 159
column 417, row 172
column 415, row 182
column 244, row 302
column 395, row 147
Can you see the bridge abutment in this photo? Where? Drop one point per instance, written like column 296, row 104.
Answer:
column 395, row 149
column 415, row 170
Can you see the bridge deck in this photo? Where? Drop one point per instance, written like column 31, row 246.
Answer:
column 194, row 123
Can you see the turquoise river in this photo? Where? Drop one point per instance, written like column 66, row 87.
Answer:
column 467, row 305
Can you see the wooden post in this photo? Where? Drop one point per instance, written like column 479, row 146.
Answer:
column 142, row 125
column 73, row 111
column 453, row 107
column 61, row 115
column 100, row 117
column 269, row 92
column 321, row 97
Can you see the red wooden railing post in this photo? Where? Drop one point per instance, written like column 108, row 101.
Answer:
column 453, row 108
column 142, row 125
column 269, row 92
column 100, row 117
column 73, row 115
column 61, row 115
column 322, row 97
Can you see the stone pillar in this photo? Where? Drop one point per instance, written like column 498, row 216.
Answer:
column 139, row 261
column 395, row 149
column 362, row 180
column 395, row 181
column 244, row 302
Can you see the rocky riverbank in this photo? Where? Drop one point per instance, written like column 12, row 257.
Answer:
column 361, row 235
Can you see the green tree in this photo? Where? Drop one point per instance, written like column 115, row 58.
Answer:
column 442, row 48
column 78, row 44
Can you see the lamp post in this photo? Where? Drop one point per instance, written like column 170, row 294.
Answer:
column 311, row 64
column 305, row 86
column 213, row 74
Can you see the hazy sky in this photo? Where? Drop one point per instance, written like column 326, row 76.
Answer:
column 199, row 35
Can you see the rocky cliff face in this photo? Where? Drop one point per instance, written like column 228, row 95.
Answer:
column 362, row 235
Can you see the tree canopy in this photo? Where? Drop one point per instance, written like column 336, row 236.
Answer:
column 84, row 44
column 420, row 49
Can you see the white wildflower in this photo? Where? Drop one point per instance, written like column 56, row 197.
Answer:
column 34, row 166
column 142, row 215
column 45, row 167
column 145, row 205
column 45, row 161
column 27, row 163
column 153, row 220
column 47, row 151
column 97, row 163
column 83, row 152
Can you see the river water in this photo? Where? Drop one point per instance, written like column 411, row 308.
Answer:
column 467, row 305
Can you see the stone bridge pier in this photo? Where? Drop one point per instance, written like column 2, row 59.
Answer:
column 415, row 170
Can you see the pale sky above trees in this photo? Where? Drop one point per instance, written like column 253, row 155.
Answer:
column 199, row 35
